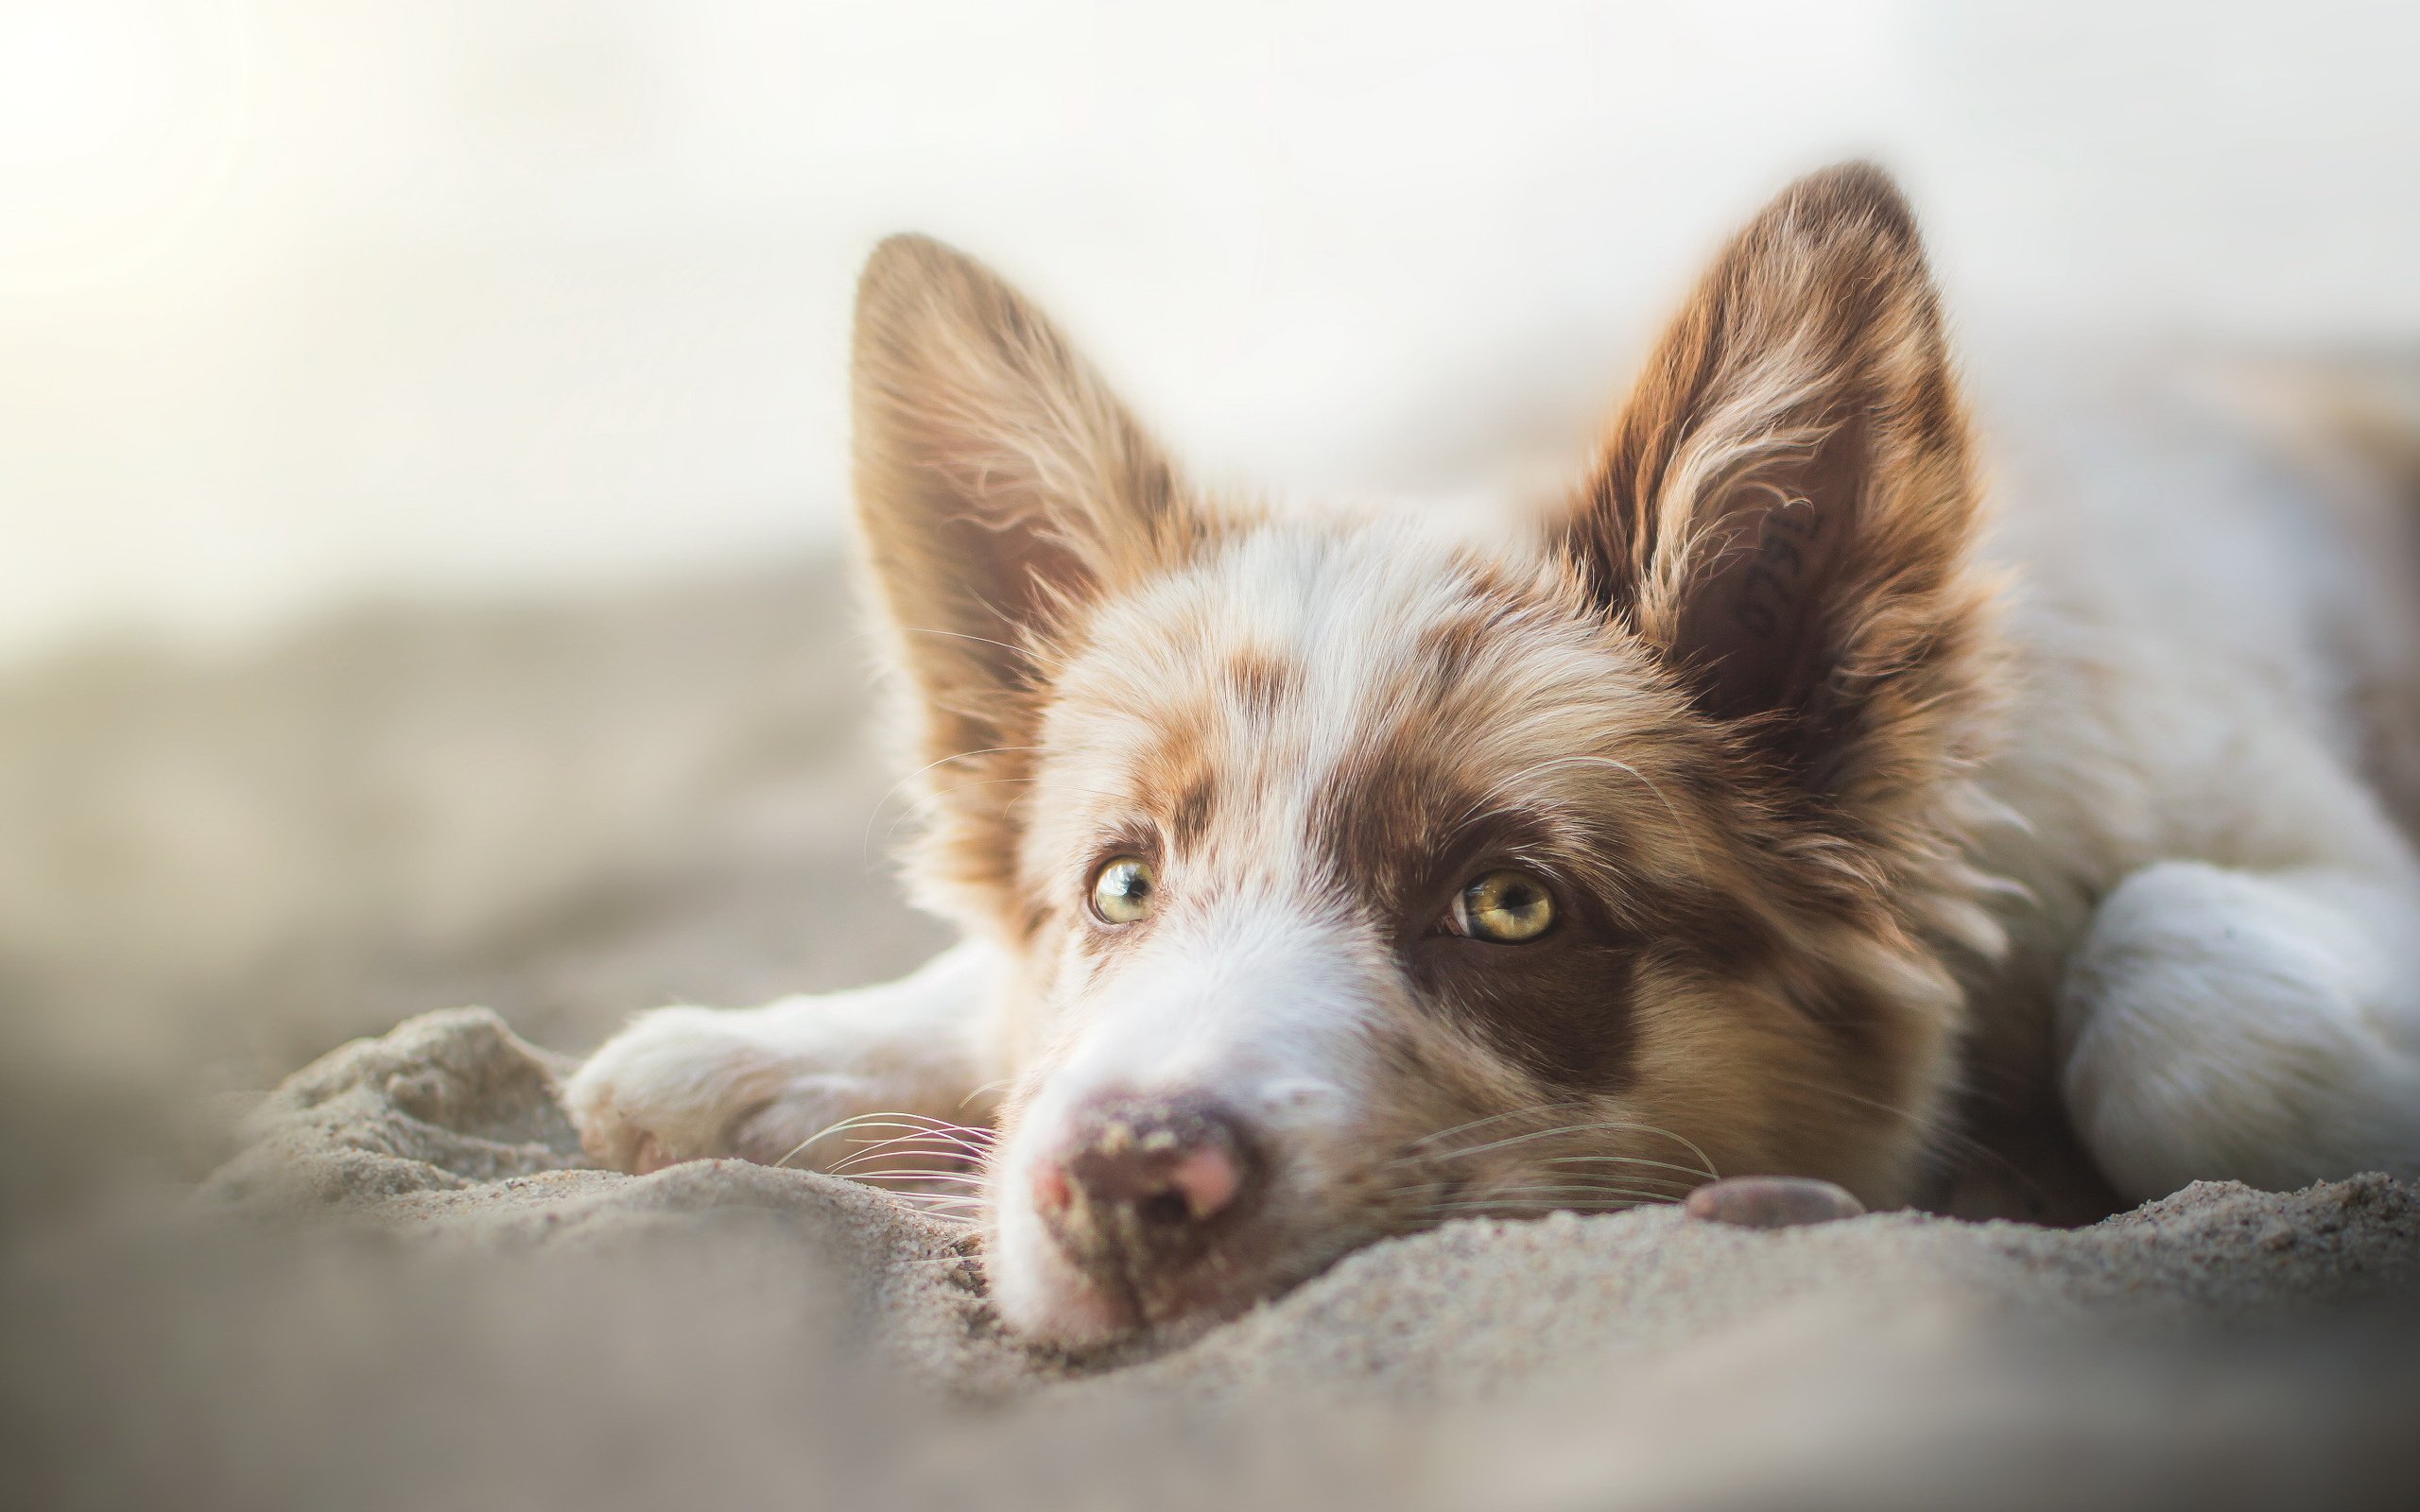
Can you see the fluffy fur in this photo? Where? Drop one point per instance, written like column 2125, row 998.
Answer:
column 1861, row 864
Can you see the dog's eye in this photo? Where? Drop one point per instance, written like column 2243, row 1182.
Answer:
column 1506, row 907
column 1122, row 890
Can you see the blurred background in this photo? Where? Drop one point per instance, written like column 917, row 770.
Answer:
column 422, row 424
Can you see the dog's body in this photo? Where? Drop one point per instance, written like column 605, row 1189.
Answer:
column 2213, row 751
column 1767, row 809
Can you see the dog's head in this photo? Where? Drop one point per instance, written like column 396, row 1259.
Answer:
column 1363, row 878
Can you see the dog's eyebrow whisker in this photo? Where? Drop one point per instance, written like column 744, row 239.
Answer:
column 932, row 802
column 1029, row 653
column 865, row 842
column 927, row 803
column 1478, row 808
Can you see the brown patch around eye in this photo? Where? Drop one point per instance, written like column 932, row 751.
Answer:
column 1560, row 1007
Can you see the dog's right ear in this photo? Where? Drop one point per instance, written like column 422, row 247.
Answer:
column 1001, row 489
column 1786, row 509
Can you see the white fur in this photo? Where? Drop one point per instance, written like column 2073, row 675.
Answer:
column 763, row 1083
column 2262, row 1027
column 2226, row 919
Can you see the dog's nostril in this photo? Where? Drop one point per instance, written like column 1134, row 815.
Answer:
column 1207, row 1180
column 1165, row 1211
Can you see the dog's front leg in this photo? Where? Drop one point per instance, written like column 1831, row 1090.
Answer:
column 2259, row 1026
column 763, row 1084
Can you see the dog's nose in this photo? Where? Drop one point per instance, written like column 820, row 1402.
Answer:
column 1139, row 1181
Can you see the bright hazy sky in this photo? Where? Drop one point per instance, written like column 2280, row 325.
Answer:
column 306, row 301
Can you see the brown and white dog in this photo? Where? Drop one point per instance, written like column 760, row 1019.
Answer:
column 1765, row 809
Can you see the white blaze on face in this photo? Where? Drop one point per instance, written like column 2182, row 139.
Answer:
column 1257, row 1004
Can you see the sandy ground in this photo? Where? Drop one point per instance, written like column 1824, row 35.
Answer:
column 406, row 1292
column 401, row 1288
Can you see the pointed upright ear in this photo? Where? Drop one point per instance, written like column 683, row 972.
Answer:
column 1785, row 504
column 1000, row 489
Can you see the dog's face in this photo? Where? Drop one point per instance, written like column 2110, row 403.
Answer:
column 1364, row 877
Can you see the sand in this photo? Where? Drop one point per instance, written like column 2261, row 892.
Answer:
column 408, row 1291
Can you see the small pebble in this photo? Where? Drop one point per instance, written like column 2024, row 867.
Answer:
column 1772, row 1202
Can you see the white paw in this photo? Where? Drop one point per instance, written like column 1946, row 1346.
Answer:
column 2218, row 1025
column 687, row 1084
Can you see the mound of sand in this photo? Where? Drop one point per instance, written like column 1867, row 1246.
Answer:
column 407, row 1291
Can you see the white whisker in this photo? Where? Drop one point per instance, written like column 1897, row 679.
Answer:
column 1495, row 1118
column 1541, row 1204
column 879, row 1119
column 1707, row 1168
column 1549, row 1190
column 1626, row 1160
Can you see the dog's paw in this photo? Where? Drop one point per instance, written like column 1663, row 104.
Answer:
column 688, row 1084
column 2230, row 1025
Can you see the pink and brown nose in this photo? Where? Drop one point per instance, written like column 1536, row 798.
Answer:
column 1141, row 1188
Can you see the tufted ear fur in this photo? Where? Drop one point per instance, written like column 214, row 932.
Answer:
column 1001, row 489
column 1786, row 505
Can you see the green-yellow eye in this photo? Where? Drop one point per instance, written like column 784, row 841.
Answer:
column 1122, row 890
column 1506, row 907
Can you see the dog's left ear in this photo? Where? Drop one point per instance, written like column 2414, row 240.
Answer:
column 1002, row 492
column 1786, row 506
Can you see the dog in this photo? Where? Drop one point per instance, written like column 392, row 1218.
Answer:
column 1765, row 806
